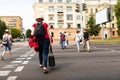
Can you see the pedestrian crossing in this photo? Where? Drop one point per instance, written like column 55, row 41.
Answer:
column 16, row 65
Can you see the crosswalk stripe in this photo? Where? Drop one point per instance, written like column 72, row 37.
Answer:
column 29, row 58
column 20, row 58
column 10, row 66
column 16, row 61
column 12, row 78
column 25, row 62
column 19, row 68
column 4, row 73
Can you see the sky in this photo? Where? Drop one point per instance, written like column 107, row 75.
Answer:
column 22, row 8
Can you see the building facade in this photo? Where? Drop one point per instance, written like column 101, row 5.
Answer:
column 61, row 16
column 12, row 21
column 110, row 28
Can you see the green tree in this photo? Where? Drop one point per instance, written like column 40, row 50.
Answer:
column 93, row 28
column 28, row 33
column 117, row 14
column 15, row 32
column 2, row 28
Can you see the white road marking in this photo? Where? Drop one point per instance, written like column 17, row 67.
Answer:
column 20, row 58
column 32, row 54
column 12, row 78
column 19, row 68
column 16, row 61
column 25, row 62
column 4, row 73
column 29, row 58
column 10, row 66
column 113, row 50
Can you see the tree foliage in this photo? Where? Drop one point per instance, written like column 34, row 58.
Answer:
column 28, row 33
column 15, row 32
column 93, row 29
column 117, row 14
column 2, row 28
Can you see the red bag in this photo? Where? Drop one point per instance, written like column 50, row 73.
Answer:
column 33, row 42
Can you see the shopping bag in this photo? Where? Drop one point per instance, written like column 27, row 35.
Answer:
column 33, row 42
column 51, row 57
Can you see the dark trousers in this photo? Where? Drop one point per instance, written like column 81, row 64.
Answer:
column 43, row 51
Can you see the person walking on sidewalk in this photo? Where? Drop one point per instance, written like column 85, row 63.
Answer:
column 43, row 43
column 78, row 40
column 86, row 42
column 7, row 45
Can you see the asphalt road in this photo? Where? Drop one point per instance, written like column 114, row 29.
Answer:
column 101, row 63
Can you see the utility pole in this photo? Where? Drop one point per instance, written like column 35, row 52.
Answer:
column 110, row 5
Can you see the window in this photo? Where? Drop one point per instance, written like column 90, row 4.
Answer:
column 112, row 25
column 51, row 18
column 68, row 1
column 60, row 17
column 69, row 17
column 112, row 17
column 79, row 26
column 40, row 1
column 50, row 1
column 60, row 8
column 69, row 8
column 59, row 1
column 60, row 25
column 51, row 25
column 51, row 8
column 68, row 25
column 113, row 33
column 96, row 10
column 78, row 17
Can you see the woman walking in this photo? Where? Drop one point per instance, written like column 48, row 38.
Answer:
column 7, row 43
column 43, row 43
column 78, row 40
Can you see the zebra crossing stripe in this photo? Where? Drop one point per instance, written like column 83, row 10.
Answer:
column 29, row 58
column 12, row 78
column 19, row 68
column 16, row 61
column 9, row 66
column 20, row 58
column 25, row 62
column 4, row 73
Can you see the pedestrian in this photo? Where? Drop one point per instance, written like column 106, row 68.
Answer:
column 86, row 42
column 62, row 40
column 6, row 43
column 66, row 39
column 43, row 43
column 78, row 40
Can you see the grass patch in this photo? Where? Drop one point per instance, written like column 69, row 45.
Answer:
column 117, row 40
